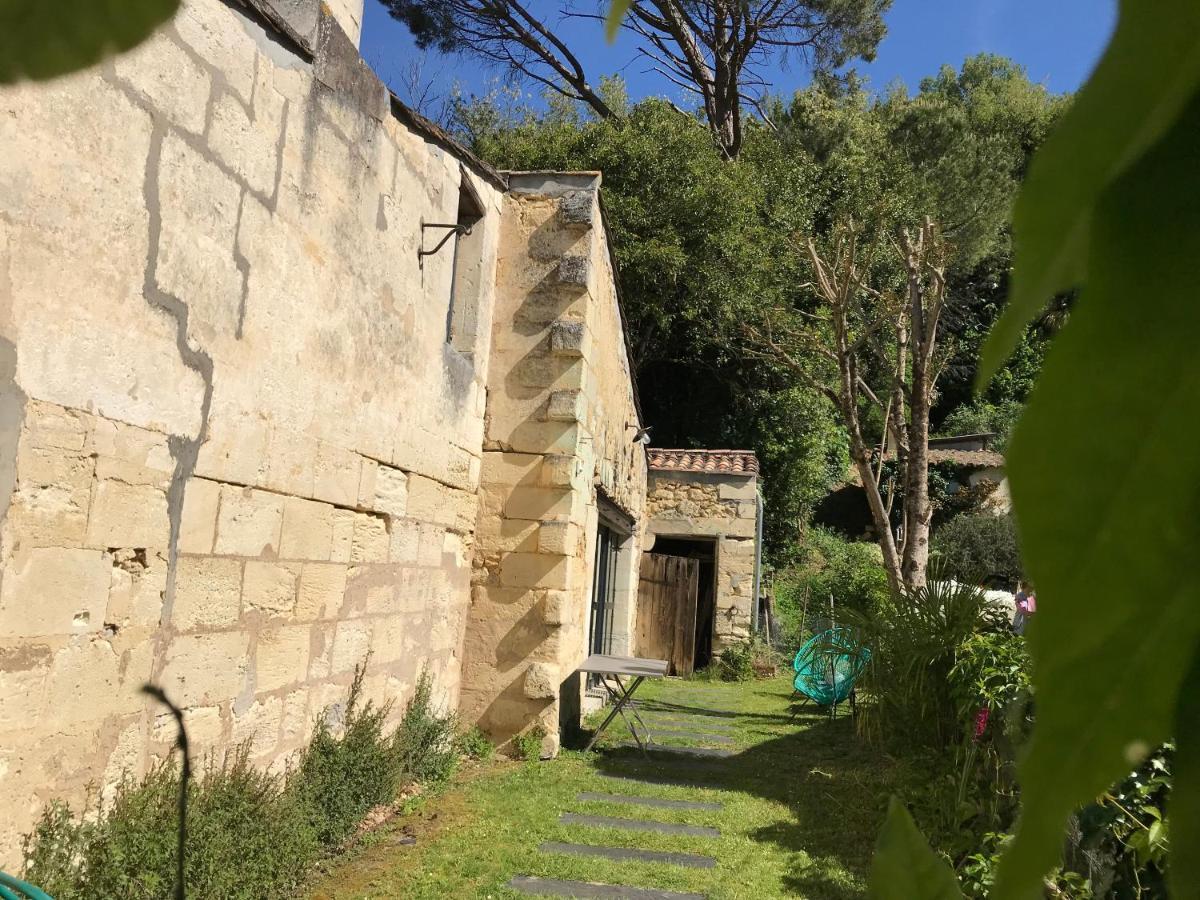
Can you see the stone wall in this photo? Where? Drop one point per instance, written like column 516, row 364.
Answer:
column 237, row 451
column 560, row 418
column 721, row 507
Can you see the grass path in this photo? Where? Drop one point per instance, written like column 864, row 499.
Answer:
column 799, row 805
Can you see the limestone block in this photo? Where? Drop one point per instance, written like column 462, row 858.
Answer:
column 297, row 725
column 205, row 728
column 558, row 537
column 541, row 681
column 270, row 586
column 337, row 474
column 559, row 470
column 367, row 478
column 371, row 541
column 405, row 541
column 137, row 588
column 54, row 590
column 53, row 495
column 342, row 543
column 235, row 448
column 128, row 515
column 391, row 491
column 510, row 468
column 577, row 208
column 281, row 657
column 574, row 270
column 307, row 530
column 163, row 73
column 124, row 761
column 747, row 509
column 557, row 608
column 322, row 588
column 91, row 681
column 537, row 503
column 391, row 640
column 131, row 454
column 566, row 338
column 218, row 36
column 432, row 501
column 204, row 669
column 535, row 570
column 49, row 426
column 196, row 261
column 23, row 675
column 198, row 522
column 741, row 489
column 259, row 726
column 289, row 454
column 208, row 592
column 249, row 522
column 429, row 549
column 565, row 406
column 351, row 641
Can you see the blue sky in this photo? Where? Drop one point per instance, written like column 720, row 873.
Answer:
column 1058, row 42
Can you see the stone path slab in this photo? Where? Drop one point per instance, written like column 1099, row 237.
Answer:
column 624, row 854
column 552, row 887
column 682, row 751
column 637, row 825
column 656, row 802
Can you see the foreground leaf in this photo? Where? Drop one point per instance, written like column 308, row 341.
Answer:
column 44, row 38
column 1105, row 466
column 612, row 22
column 1183, row 806
column 904, row 868
column 1151, row 68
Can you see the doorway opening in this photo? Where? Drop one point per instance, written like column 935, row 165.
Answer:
column 705, row 552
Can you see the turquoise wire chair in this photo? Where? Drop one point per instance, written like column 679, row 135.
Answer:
column 827, row 666
column 13, row 889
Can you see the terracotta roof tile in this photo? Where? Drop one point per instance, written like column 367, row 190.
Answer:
column 732, row 462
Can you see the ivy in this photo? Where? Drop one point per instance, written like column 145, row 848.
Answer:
column 42, row 39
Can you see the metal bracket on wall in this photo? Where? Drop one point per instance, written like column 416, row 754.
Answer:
column 452, row 230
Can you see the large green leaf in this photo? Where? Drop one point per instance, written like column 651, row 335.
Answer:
column 45, row 38
column 904, row 868
column 1184, row 804
column 612, row 22
column 1105, row 471
column 1149, row 71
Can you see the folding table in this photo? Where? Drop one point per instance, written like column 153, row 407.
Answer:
column 610, row 670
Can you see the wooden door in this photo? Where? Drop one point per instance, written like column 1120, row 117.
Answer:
column 666, row 615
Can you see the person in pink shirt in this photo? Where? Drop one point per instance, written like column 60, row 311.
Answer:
column 1026, row 607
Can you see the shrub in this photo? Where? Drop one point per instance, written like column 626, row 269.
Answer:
column 248, row 837
column 746, row 661
column 849, row 571
column 474, row 744
column 424, row 742
column 528, row 746
column 340, row 779
column 979, row 549
column 250, row 834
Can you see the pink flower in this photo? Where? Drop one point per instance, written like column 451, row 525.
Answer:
column 981, row 722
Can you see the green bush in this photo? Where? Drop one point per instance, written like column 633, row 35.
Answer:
column 849, row 571
column 979, row 549
column 746, row 661
column 424, row 743
column 248, row 837
column 250, row 834
column 474, row 744
column 528, row 746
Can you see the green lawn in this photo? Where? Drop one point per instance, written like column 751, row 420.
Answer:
column 802, row 801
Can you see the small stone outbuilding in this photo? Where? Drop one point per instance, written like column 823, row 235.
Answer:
column 705, row 505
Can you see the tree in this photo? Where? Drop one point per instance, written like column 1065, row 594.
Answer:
column 716, row 50
column 858, row 318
